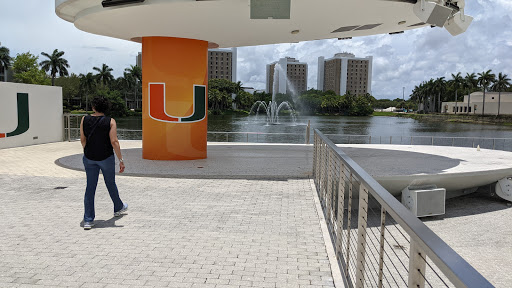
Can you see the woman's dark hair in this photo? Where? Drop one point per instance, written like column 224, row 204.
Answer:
column 100, row 104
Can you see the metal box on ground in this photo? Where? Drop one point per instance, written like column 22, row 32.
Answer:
column 504, row 188
column 424, row 200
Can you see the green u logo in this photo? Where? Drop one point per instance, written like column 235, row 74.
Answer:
column 156, row 99
column 23, row 117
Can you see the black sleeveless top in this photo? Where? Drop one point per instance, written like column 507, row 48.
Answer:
column 96, row 130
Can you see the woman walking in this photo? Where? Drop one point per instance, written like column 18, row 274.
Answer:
column 98, row 134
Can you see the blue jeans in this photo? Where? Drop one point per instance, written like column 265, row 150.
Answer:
column 92, row 170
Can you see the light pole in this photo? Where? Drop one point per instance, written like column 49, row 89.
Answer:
column 403, row 96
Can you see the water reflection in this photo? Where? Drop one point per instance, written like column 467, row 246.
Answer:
column 398, row 128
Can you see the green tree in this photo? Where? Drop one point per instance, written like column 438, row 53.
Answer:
column 55, row 64
column 244, row 100
column 87, row 86
column 70, row 86
column 439, row 88
column 5, row 60
column 456, row 83
column 470, row 83
column 310, row 101
column 117, row 105
column 331, row 103
column 501, row 84
column 26, row 70
column 485, row 79
column 133, row 74
column 104, row 76
column 362, row 106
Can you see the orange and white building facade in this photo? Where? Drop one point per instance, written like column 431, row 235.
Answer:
column 176, row 35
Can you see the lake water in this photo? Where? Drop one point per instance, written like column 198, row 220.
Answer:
column 382, row 130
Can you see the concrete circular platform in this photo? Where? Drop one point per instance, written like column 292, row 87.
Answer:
column 224, row 161
column 393, row 166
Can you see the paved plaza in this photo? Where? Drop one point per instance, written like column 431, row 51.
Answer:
column 255, row 226
column 177, row 232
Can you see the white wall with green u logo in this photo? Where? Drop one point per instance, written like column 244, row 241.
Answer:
column 30, row 114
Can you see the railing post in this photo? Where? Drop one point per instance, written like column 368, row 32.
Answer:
column 417, row 266
column 326, row 167
column 453, row 141
column 473, row 142
column 361, row 235
column 317, row 170
column 328, row 190
column 247, row 140
column 314, row 156
column 227, row 137
column 308, row 131
column 432, row 140
column 341, row 210
column 493, row 143
column 349, row 219
column 322, row 173
column 381, row 246
column 370, row 139
column 69, row 128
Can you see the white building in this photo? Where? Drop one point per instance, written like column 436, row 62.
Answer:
column 475, row 104
column 290, row 74
column 345, row 72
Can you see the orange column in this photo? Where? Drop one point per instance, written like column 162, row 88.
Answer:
column 174, row 95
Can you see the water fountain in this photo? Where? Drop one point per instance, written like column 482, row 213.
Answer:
column 272, row 108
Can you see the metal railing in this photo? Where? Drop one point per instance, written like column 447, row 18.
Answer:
column 73, row 133
column 378, row 242
column 484, row 142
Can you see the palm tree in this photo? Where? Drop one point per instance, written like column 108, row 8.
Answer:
column 125, row 84
column 439, row 87
column 55, row 64
column 456, row 83
column 104, row 77
column 427, row 97
column 485, row 79
column 470, row 82
column 5, row 60
column 135, row 72
column 87, row 84
column 501, row 83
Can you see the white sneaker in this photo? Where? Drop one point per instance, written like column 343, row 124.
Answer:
column 88, row 225
column 118, row 213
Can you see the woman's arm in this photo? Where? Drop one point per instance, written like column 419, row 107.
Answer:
column 115, row 144
column 83, row 140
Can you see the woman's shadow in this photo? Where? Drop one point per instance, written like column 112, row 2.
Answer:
column 110, row 223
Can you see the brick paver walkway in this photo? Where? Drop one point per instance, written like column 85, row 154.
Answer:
column 177, row 232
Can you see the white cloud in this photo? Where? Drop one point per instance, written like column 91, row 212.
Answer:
column 403, row 60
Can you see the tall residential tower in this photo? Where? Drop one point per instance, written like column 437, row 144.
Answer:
column 222, row 64
column 292, row 76
column 344, row 72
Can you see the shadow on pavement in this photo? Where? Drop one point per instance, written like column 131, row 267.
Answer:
column 110, row 223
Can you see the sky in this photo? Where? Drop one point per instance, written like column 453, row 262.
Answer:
column 402, row 60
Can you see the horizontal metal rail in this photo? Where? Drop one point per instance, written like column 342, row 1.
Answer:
column 378, row 242
column 73, row 121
